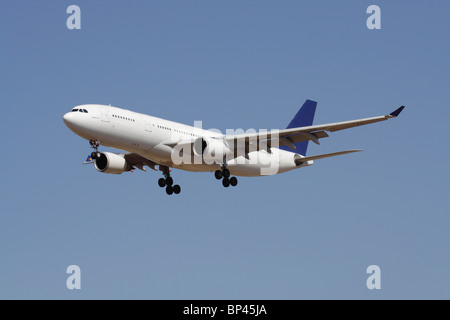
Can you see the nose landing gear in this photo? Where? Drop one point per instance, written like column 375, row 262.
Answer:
column 95, row 144
column 167, row 182
column 224, row 174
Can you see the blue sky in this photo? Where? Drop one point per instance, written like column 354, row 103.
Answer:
column 310, row 233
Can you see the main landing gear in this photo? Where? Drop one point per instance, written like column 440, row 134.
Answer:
column 167, row 182
column 95, row 144
column 224, row 174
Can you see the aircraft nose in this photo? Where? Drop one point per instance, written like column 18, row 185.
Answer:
column 66, row 118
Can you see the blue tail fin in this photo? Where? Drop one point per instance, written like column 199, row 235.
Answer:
column 303, row 118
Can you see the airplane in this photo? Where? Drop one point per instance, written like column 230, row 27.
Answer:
column 154, row 142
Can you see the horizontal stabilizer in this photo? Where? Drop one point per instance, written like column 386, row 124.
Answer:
column 299, row 161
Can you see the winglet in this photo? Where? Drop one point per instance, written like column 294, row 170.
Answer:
column 397, row 112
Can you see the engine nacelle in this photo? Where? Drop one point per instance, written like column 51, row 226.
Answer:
column 111, row 163
column 210, row 149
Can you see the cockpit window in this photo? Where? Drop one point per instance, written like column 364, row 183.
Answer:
column 79, row 110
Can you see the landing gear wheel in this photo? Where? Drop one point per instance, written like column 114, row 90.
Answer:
column 226, row 183
column 162, row 182
column 218, row 174
column 94, row 155
column 226, row 173
column 167, row 181
column 169, row 190
column 233, row 181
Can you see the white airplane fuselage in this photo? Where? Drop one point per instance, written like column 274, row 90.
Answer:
column 145, row 135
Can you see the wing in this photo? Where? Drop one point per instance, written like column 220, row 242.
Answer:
column 139, row 161
column 290, row 136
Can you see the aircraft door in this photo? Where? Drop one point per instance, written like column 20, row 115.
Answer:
column 105, row 114
column 148, row 126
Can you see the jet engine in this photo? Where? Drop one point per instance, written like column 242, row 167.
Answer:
column 210, row 149
column 112, row 163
